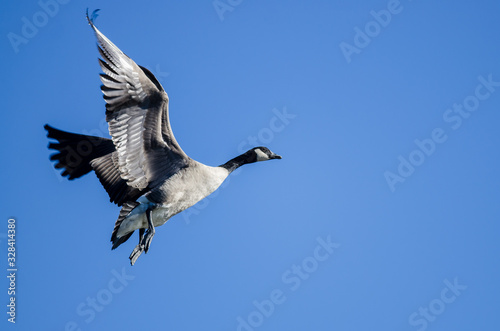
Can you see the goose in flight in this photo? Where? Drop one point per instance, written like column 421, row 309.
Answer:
column 142, row 167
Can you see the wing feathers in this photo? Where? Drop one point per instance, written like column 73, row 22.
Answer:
column 106, row 169
column 137, row 115
column 74, row 152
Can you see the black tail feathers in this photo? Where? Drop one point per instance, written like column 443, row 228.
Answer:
column 75, row 151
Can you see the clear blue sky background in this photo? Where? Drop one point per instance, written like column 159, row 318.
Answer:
column 417, row 252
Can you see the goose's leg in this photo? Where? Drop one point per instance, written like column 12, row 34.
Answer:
column 145, row 238
column 141, row 235
column 151, row 230
column 138, row 249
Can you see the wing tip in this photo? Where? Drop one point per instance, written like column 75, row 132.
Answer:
column 92, row 17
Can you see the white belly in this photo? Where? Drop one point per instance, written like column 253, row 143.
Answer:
column 137, row 219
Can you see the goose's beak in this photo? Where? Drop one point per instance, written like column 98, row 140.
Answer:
column 276, row 156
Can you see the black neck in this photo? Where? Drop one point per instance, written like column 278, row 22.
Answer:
column 240, row 160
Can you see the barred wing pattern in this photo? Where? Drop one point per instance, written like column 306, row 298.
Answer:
column 137, row 115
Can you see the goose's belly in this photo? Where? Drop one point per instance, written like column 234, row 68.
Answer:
column 179, row 196
column 137, row 219
column 161, row 213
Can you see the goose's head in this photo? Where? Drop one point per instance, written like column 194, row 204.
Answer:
column 255, row 154
column 261, row 154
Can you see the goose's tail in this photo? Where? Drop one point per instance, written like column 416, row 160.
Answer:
column 74, row 152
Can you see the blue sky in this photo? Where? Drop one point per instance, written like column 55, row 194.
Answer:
column 382, row 215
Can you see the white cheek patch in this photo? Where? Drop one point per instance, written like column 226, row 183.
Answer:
column 261, row 156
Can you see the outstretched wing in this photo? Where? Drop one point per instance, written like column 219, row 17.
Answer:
column 137, row 115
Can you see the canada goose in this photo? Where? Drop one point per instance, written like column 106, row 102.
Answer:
column 142, row 167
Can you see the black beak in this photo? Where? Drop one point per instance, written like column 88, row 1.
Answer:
column 275, row 156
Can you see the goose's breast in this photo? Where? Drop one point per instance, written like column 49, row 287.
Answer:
column 190, row 185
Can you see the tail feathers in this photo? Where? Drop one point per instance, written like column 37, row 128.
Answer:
column 75, row 151
column 124, row 212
